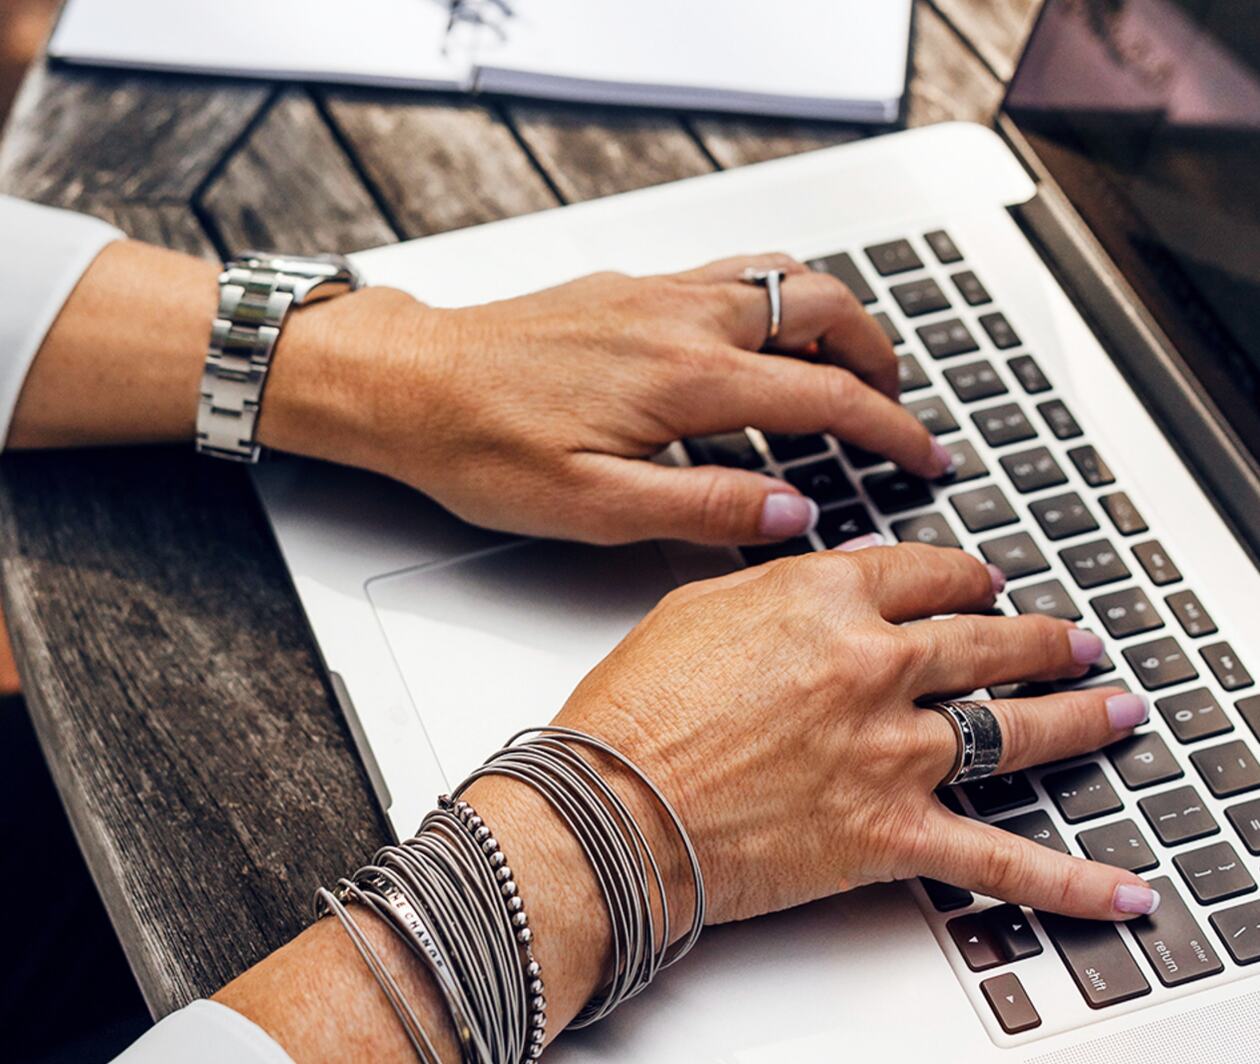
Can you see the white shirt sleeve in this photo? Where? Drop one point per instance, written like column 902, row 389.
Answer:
column 205, row 1032
column 43, row 253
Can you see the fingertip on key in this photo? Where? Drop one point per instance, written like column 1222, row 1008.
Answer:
column 1127, row 710
column 997, row 578
column 1133, row 900
column 784, row 514
column 1087, row 648
column 871, row 539
column 941, row 459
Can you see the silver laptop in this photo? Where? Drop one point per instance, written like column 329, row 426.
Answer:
column 1074, row 303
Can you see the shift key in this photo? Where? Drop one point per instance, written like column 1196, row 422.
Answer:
column 1097, row 959
column 1173, row 942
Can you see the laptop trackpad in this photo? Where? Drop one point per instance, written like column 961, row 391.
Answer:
column 492, row 642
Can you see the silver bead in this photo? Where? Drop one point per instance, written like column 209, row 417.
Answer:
column 534, row 970
column 475, row 821
column 508, row 889
column 490, row 845
column 497, row 859
column 524, row 936
column 480, row 834
column 444, row 800
column 462, row 807
column 520, row 919
column 503, row 873
column 538, row 1004
column 536, row 987
column 537, row 1035
column 515, row 905
column 535, row 1051
column 539, row 1020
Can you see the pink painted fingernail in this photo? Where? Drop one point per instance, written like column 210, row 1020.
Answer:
column 871, row 539
column 997, row 577
column 784, row 515
column 1128, row 711
column 1087, row 648
column 1131, row 899
column 943, row 460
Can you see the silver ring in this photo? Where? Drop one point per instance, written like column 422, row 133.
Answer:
column 772, row 281
column 979, row 740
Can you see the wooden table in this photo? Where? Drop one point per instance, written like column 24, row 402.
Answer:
column 208, row 774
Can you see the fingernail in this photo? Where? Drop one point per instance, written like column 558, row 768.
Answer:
column 1131, row 899
column 943, row 460
column 784, row 515
column 871, row 539
column 998, row 577
column 1087, row 648
column 1127, row 711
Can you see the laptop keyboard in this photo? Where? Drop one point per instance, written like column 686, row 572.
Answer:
column 1178, row 802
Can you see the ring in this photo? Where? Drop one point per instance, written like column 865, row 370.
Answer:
column 979, row 740
column 772, row 282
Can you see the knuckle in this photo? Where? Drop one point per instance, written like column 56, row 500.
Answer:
column 1003, row 867
column 839, row 388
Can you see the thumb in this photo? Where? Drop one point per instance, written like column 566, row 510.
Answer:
column 703, row 504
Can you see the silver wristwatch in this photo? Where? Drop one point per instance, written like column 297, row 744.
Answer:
column 256, row 292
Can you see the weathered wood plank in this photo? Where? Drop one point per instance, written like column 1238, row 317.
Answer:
column 290, row 187
column 949, row 83
column 996, row 29
column 169, row 225
column 79, row 136
column 589, row 152
column 438, row 163
column 740, row 141
column 210, row 781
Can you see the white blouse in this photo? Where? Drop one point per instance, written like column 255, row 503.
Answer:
column 45, row 252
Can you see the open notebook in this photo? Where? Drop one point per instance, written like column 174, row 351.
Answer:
column 839, row 59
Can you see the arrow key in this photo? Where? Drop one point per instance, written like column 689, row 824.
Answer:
column 972, row 937
column 1012, row 932
column 1010, row 1003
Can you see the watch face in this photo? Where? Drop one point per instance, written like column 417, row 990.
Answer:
column 315, row 276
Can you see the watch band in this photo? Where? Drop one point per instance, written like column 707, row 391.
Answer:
column 256, row 293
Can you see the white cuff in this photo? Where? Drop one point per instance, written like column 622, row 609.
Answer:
column 205, row 1032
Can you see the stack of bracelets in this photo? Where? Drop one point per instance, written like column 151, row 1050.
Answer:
column 450, row 895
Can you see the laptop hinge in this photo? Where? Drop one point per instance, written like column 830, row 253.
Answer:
column 1141, row 350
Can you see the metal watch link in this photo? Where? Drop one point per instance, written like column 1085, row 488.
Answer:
column 256, row 293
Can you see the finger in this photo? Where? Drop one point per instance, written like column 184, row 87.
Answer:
column 997, row 863
column 1039, row 730
column 786, row 395
column 704, row 504
column 732, row 269
column 911, row 581
column 966, row 653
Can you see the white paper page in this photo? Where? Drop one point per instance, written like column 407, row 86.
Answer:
column 847, row 50
column 373, row 41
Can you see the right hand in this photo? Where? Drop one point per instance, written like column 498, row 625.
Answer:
column 775, row 707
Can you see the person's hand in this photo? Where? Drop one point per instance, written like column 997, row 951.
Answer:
column 537, row 414
column 776, row 708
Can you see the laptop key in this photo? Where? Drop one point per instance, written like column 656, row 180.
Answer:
column 1097, row 959
column 1246, row 820
column 1178, row 816
column 1001, row 334
column 1228, row 769
column 944, row 339
column 1035, row 827
column 1143, row 761
column 968, row 465
column 974, row 942
column 1063, row 516
column 1000, row 425
column 1060, row 419
column 732, row 449
column 970, row 288
column 823, row 481
column 1172, row 941
column 844, row 269
column 1089, row 463
column 943, row 247
column 1094, row 564
column 933, row 415
column 1017, row 555
column 945, row 897
column 999, row 794
column 1249, row 710
column 1239, row 929
column 843, row 523
column 1082, row 793
column 1157, row 564
column 1125, row 613
column 1214, row 873
column 931, row 529
column 983, row 508
column 1160, row 663
column 1029, row 374
column 890, row 328
column 789, row 448
column 975, row 380
column 1230, row 673
column 897, row 491
column 910, row 373
column 770, row 552
column 1193, row 715
column 1190, row 614
column 1121, row 844
column 1010, row 1003
column 1049, row 597
column 916, row 298
column 1124, row 515
column 1012, row 931
column 895, row 256
column 1033, row 470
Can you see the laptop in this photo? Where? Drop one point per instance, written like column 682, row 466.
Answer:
column 1073, row 302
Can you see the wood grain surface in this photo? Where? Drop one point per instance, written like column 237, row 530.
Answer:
column 207, row 772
